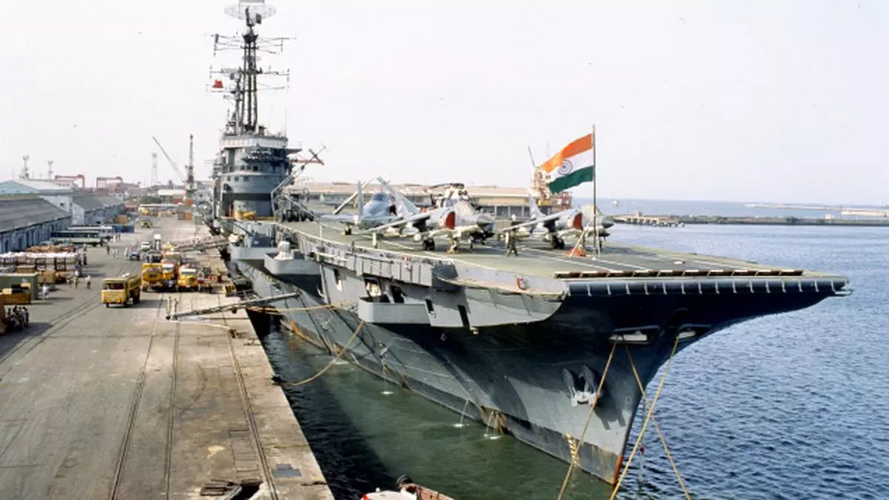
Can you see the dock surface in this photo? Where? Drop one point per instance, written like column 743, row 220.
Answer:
column 116, row 402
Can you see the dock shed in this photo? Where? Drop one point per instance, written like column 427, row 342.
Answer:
column 87, row 209
column 26, row 221
column 95, row 209
column 32, row 187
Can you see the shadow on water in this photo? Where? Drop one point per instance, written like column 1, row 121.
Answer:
column 349, row 466
column 365, row 432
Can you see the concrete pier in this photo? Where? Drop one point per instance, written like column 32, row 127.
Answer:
column 121, row 403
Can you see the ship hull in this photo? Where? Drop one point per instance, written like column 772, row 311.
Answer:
column 534, row 381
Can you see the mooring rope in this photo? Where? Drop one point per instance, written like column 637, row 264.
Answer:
column 333, row 361
column 645, row 423
column 657, row 427
column 576, row 453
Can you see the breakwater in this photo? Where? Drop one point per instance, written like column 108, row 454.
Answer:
column 680, row 220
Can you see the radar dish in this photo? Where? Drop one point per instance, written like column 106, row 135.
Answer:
column 258, row 10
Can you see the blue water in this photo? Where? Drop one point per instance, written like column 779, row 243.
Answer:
column 787, row 406
column 703, row 208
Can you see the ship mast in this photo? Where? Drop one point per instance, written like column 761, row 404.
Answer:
column 245, row 86
column 249, row 102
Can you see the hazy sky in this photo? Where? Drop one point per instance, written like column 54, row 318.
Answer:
column 748, row 101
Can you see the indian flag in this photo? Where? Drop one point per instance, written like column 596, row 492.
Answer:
column 573, row 165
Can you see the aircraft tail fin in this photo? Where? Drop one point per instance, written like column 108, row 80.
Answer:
column 360, row 202
column 404, row 206
column 535, row 210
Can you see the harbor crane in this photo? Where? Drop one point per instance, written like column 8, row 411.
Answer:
column 188, row 177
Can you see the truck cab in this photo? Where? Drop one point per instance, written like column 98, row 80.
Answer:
column 152, row 275
column 122, row 290
column 188, row 279
column 170, row 274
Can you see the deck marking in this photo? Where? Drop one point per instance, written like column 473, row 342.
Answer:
column 566, row 261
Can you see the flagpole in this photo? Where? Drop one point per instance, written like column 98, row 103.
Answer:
column 595, row 201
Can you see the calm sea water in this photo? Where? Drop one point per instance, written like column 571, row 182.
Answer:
column 787, row 406
column 724, row 208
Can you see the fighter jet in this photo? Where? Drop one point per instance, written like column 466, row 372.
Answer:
column 556, row 226
column 377, row 212
column 454, row 218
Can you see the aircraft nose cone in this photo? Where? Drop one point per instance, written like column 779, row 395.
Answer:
column 607, row 221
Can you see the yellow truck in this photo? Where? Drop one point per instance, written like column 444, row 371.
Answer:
column 17, row 294
column 152, row 276
column 188, row 279
column 169, row 273
column 121, row 290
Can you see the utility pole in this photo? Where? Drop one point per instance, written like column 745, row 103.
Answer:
column 153, row 181
column 25, row 174
column 189, row 173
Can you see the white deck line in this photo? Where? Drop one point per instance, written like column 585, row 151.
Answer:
column 438, row 257
column 567, row 261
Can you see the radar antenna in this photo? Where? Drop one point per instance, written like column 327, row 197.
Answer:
column 245, row 87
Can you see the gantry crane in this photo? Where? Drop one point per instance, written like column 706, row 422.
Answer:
column 188, row 178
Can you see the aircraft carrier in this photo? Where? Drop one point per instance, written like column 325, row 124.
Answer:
column 522, row 343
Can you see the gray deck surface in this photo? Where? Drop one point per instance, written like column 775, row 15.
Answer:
column 537, row 258
column 120, row 403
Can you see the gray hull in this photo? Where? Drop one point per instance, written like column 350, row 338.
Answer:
column 525, row 379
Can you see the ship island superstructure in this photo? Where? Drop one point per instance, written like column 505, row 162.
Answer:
column 252, row 161
column 541, row 345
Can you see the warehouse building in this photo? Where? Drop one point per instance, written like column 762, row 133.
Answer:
column 32, row 186
column 94, row 209
column 87, row 209
column 27, row 221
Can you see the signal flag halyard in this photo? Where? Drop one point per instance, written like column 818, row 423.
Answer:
column 573, row 165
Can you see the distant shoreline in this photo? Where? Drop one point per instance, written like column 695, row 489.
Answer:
column 678, row 220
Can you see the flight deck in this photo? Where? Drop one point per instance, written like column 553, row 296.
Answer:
column 536, row 258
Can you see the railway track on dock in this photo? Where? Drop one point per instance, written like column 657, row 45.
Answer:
column 57, row 324
column 134, row 410
column 248, row 413
column 168, row 458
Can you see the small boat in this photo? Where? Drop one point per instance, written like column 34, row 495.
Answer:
column 406, row 489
